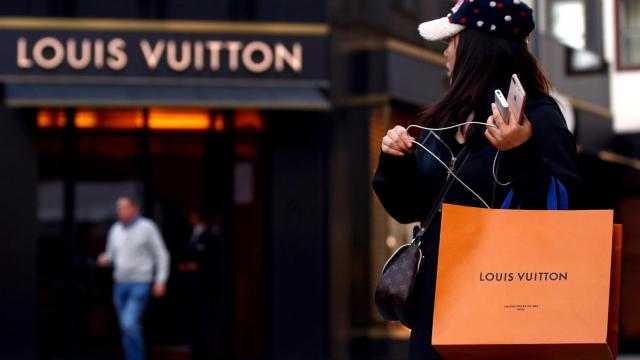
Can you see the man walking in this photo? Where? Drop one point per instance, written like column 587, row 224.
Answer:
column 141, row 267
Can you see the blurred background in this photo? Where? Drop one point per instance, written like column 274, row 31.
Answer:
column 269, row 115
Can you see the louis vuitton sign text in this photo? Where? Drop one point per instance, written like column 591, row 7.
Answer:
column 199, row 56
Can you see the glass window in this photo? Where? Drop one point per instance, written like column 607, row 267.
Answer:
column 568, row 22
column 585, row 61
column 629, row 33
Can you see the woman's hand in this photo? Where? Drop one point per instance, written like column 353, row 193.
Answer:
column 508, row 135
column 397, row 142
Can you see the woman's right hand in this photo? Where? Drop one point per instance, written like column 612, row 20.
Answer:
column 397, row 142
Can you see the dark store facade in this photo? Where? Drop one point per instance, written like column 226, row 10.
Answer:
column 183, row 114
column 268, row 114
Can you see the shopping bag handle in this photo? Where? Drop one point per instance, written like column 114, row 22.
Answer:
column 557, row 197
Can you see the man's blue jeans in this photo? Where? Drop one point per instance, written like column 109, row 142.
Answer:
column 131, row 300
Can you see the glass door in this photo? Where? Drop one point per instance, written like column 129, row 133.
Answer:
column 177, row 162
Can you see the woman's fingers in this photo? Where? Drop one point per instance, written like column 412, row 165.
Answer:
column 393, row 141
column 525, row 121
column 390, row 147
column 491, row 122
column 390, row 151
column 493, row 135
column 495, row 132
column 396, row 135
column 397, row 141
column 389, row 142
column 404, row 136
column 491, row 138
column 499, row 121
column 508, row 136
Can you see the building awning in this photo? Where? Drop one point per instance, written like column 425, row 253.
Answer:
column 201, row 96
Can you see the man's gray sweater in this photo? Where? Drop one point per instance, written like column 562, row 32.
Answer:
column 137, row 252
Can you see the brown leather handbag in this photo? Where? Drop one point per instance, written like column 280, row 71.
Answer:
column 394, row 289
column 396, row 283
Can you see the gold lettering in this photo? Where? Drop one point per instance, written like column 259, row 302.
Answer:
column 58, row 53
column 118, row 57
column 152, row 55
column 172, row 56
column 23, row 60
column 292, row 58
column 98, row 54
column 214, row 48
column 81, row 62
column 234, row 48
column 180, row 55
column 198, row 55
column 253, row 65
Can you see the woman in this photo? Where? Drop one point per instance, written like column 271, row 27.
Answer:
column 487, row 43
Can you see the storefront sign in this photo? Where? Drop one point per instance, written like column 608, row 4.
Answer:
column 151, row 54
column 49, row 53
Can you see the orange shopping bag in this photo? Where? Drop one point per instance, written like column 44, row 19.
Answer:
column 527, row 284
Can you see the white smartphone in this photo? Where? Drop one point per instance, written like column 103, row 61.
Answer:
column 517, row 97
column 502, row 104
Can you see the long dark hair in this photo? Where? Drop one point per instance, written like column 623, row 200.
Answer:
column 484, row 63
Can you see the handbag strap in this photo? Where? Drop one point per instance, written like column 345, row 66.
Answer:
column 418, row 232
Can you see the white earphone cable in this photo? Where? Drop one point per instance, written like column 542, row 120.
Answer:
column 449, row 171
column 452, row 174
column 493, row 171
column 452, row 126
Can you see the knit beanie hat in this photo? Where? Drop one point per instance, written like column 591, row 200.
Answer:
column 511, row 19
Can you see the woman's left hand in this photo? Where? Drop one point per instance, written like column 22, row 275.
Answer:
column 508, row 135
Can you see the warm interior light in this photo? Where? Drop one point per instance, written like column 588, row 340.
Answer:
column 179, row 119
column 92, row 118
column 86, row 118
column 121, row 119
column 248, row 119
column 218, row 123
column 51, row 118
column 158, row 119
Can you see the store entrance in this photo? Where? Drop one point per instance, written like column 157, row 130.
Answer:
column 176, row 163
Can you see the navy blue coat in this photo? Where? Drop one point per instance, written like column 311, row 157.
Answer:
column 408, row 186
